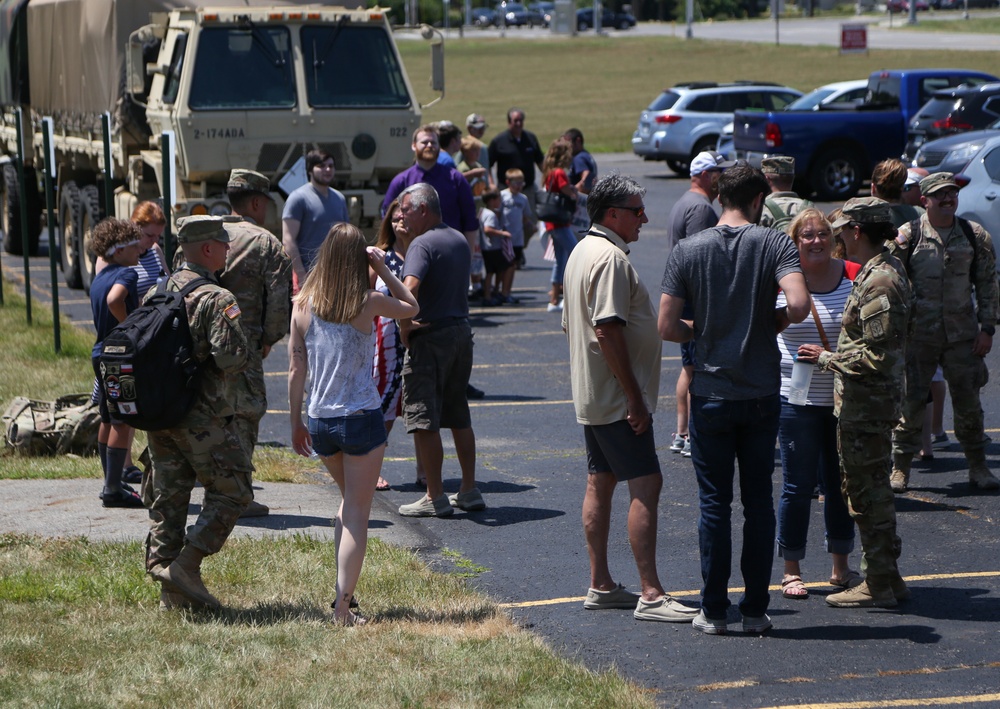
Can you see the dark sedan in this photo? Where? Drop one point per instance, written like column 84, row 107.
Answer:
column 953, row 153
column 609, row 18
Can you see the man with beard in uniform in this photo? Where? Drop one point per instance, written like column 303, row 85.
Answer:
column 259, row 274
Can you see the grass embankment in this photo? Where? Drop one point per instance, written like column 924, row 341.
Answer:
column 974, row 25
column 81, row 628
column 601, row 84
column 30, row 367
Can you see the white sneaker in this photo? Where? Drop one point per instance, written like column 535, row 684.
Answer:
column 555, row 308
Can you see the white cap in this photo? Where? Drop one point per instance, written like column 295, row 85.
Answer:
column 913, row 177
column 709, row 160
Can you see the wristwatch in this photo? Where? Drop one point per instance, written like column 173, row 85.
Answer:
column 988, row 329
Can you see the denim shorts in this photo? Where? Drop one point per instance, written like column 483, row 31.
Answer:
column 355, row 434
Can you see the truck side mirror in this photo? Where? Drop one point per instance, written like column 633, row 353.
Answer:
column 437, row 66
column 135, row 67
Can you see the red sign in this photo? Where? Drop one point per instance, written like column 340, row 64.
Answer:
column 853, row 39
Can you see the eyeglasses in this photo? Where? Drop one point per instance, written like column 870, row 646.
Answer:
column 639, row 212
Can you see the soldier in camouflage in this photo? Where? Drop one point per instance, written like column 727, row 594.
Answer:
column 259, row 274
column 868, row 369
column 206, row 446
column 952, row 268
column 781, row 206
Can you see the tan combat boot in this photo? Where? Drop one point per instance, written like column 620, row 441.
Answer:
column 979, row 474
column 184, row 574
column 864, row 596
column 899, row 480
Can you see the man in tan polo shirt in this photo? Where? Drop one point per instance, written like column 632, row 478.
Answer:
column 615, row 348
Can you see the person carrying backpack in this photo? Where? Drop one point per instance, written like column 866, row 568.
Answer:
column 205, row 446
column 781, row 206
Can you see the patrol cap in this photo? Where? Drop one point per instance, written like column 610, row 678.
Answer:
column 709, row 160
column 201, row 227
column 778, row 165
column 936, row 181
column 248, row 180
column 476, row 121
column 864, row 210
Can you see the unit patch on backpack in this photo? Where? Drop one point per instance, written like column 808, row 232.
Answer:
column 147, row 367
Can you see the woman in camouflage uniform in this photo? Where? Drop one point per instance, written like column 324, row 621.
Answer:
column 868, row 368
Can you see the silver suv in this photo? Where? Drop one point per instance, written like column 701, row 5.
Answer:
column 688, row 118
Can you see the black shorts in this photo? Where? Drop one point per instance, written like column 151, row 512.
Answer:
column 687, row 353
column 495, row 261
column 614, row 448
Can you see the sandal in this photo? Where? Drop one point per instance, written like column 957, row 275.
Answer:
column 350, row 620
column 852, row 579
column 132, row 474
column 793, row 588
column 382, row 484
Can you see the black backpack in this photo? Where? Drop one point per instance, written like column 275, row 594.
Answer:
column 149, row 374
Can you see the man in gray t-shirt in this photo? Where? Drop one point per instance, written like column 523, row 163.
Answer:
column 309, row 213
column 731, row 275
column 439, row 352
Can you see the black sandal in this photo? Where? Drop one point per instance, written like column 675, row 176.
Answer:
column 132, row 474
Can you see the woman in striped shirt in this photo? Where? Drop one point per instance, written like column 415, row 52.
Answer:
column 808, row 433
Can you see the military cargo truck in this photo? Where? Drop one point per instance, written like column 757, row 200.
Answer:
column 253, row 86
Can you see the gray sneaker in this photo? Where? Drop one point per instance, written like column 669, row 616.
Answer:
column 470, row 501
column 709, row 626
column 426, row 507
column 686, row 450
column 940, row 442
column 757, row 625
column 666, row 609
column 617, row 597
column 678, row 442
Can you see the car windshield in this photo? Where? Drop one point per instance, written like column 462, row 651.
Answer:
column 664, row 101
column 809, row 101
column 375, row 79
column 256, row 64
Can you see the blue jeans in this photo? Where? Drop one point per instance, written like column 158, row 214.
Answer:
column 808, row 437
column 723, row 432
column 563, row 241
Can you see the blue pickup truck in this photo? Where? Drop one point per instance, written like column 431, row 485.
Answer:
column 835, row 150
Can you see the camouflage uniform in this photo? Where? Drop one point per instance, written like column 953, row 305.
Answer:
column 779, row 205
column 206, row 446
column 868, row 367
column 259, row 274
column 946, row 270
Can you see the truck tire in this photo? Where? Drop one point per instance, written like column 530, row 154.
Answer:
column 90, row 214
column 10, row 213
column 836, row 175
column 69, row 243
column 679, row 166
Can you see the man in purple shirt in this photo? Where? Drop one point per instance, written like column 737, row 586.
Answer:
column 458, row 210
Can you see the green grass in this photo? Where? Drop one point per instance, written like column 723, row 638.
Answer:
column 81, row 628
column 601, row 84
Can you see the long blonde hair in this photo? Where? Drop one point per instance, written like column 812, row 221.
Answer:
column 560, row 155
column 337, row 287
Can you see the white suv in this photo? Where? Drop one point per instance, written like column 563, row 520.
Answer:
column 688, row 118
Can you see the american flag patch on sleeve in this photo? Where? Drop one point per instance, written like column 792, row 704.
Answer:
column 233, row 311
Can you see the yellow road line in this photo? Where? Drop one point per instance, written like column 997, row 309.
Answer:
column 775, row 587
column 914, row 702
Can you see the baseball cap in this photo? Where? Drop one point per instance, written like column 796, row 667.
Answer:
column 913, row 177
column 937, row 181
column 709, row 160
column 864, row 210
column 201, row 227
column 476, row 121
column 249, row 180
column 778, row 165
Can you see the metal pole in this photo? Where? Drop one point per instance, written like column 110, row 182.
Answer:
column 109, row 198
column 689, row 17
column 23, row 207
column 50, row 198
column 167, row 157
column 777, row 12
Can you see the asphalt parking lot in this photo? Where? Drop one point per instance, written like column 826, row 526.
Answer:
column 939, row 648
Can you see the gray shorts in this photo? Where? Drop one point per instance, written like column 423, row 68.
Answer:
column 435, row 376
column 614, row 448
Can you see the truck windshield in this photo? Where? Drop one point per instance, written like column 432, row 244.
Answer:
column 245, row 68
column 352, row 67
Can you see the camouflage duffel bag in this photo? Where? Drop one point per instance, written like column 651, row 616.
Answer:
column 67, row 425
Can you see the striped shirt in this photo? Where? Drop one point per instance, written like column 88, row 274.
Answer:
column 830, row 308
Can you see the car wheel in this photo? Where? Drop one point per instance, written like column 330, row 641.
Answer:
column 69, row 243
column 581, row 27
column 623, row 25
column 679, row 166
column 836, row 175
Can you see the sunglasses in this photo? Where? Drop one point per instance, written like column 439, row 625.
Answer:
column 639, row 212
